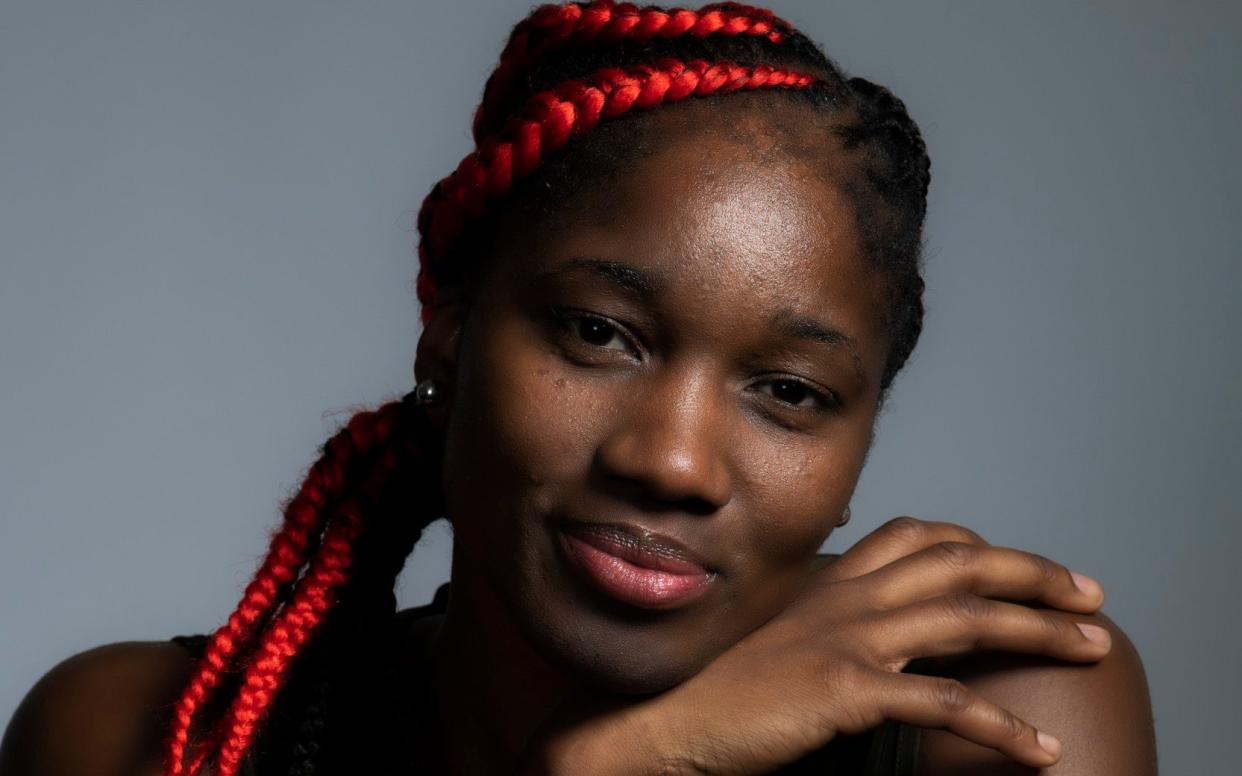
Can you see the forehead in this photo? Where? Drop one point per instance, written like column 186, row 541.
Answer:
column 749, row 197
column 740, row 215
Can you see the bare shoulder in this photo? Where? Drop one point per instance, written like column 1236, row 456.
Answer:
column 101, row 711
column 1101, row 712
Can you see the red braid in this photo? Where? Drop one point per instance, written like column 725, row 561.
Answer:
column 550, row 28
column 546, row 123
column 305, row 517
column 297, row 622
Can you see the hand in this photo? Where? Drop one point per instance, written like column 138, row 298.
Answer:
column 831, row 663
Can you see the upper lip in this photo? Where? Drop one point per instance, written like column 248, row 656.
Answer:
column 644, row 539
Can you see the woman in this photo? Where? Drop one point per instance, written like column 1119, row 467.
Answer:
column 664, row 301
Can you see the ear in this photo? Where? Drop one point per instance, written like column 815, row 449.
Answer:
column 437, row 355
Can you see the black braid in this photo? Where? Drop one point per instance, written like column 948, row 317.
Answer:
column 899, row 172
column 333, row 716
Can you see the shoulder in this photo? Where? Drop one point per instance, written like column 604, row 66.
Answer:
column 1100, row 711
column 102, row 711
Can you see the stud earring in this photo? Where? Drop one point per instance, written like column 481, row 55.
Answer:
column 427, row 392
column 845, row 517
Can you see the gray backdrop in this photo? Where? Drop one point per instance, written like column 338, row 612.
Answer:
column 206, row 236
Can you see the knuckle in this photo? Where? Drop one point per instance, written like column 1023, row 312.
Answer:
column 876, row 598
column 835, row 672
column 1059, row 628
column 961, row 533
column 870, row 647
column 909, row 530
column 852, row 702
column 1014, row 728
column 967, row 607
column 957, row 556
column 974, row 537
column 1049, row 570
column 952, row 696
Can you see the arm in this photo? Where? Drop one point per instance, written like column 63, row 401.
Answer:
column 100, row 712
column 1100, row 711
column 831, row 664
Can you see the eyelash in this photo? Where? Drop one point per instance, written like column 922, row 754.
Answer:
column 828, row 401
column 566, row 317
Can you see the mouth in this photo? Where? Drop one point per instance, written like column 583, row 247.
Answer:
column 635, row 566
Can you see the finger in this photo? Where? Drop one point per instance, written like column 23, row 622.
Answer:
column 964, row 622
column 994, row 572
column 895, row 539
column 947, row 704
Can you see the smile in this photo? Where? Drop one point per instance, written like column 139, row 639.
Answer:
column 631, row 573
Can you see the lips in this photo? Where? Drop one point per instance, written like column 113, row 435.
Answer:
column 635, row 566
column 641, row 548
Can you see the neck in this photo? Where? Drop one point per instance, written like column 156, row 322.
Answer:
column 490, row 689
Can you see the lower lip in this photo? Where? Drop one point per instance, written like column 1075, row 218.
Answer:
column 633, row 584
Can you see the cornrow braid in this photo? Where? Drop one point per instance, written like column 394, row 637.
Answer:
column 899, row 173
column 553, row 27
column 883, row 113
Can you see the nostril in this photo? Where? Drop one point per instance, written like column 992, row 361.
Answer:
column 693, row 505
column 653, row 487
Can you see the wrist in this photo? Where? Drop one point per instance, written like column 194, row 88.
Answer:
column 626, row 745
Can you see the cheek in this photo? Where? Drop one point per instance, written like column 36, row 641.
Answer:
column 525, row 427
column 798, row 491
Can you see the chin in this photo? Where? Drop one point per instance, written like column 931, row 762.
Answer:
column 602, row 643
column 612, row 665
column 613, row 648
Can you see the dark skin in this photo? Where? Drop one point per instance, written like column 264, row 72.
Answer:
column 695, row 437
column 687, row 412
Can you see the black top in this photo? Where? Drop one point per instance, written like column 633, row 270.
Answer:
column 888, row 750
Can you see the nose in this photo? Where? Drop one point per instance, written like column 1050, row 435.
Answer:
column 668, row 442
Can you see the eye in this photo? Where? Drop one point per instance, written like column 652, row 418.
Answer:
column 594, row 330
column 802, row 396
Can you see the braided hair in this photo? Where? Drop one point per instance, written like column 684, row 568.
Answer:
column 290, row 677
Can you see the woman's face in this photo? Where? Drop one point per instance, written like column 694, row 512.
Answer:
column 693, row 349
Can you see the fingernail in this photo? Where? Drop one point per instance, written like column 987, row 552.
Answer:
column 1086, row 584
column 1095, row 633
column 1049, row 744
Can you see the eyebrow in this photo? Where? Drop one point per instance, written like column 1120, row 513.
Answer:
column 790, row 324
column 640, row 283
